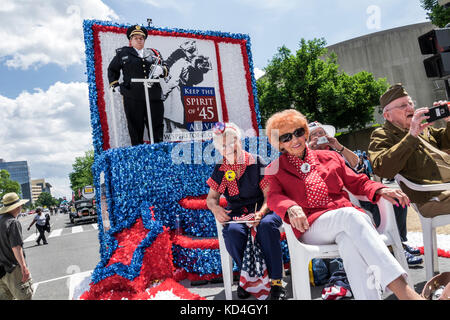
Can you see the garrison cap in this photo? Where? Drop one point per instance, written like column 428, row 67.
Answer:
column 394, row 92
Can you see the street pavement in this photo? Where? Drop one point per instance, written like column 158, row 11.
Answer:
column 71, row 250
column 215, row 291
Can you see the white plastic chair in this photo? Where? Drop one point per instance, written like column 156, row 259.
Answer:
column 301, row 253
column 429, row 225
column 227, row 262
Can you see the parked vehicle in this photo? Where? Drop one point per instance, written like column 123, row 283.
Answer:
column 84, row 210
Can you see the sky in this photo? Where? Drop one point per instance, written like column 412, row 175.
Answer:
column 44, row 107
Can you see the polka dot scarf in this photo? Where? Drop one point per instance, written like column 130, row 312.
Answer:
column 231, row 177
column 316, row 188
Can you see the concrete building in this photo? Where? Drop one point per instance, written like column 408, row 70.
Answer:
column 38, row 186
column 19, row 172
column 395, row 55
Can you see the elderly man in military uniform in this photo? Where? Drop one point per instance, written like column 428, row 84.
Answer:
column 409, row 145
column 135, row 61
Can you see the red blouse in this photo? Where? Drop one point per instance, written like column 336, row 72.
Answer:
column 287, row 188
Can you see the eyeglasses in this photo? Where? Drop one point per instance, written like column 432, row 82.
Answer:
column 288, row 136
column 403, row 106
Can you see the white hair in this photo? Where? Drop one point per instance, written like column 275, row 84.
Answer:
column 231, row 129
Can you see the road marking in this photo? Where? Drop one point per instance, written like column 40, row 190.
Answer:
column 60, row 232
column 33, row 237
column 78, row 284
column 77, row 229
column 63, row 277
column 75, row 284
column 56, row 233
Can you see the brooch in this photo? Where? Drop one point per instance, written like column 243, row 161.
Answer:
column 230, row 175
column 306, row 167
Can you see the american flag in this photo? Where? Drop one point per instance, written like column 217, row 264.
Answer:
column 254, row 275
column 247, row 217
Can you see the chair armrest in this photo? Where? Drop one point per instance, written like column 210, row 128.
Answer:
column 356, row 198
column 422, row 187
column 387, row 214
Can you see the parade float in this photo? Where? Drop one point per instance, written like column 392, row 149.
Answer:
column 154, row 227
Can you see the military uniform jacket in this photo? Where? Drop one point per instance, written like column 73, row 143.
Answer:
column 393, row 150
column 127, row 59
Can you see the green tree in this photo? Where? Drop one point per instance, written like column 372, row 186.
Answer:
column 45, row 199
column 81, row 175
column 437, row 14
column 310, row 82
column 8, row 185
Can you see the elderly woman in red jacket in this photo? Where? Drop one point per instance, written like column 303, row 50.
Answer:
column 306, row 188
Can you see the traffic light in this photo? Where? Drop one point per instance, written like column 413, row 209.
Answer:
column 436, row 42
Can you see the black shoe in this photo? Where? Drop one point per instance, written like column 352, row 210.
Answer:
column 277, row 293
column 411, row 250
column 45, row 242
column 38, row 243
column 216, row 280
column 199, row 283
column 242, row 294
column 412, row 259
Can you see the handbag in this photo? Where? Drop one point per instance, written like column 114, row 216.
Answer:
column 47, row 223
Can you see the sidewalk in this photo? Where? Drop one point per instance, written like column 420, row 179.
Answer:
column 215, row 291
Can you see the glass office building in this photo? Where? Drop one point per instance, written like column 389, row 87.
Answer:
column 19, row 172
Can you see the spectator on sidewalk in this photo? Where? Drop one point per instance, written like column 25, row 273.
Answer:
column 367, row 163
column 318, row 131
column 41, row 222
column 15, row 278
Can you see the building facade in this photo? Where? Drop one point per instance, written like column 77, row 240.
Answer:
column 19, row 172
column 38, row 186
column 395, row 55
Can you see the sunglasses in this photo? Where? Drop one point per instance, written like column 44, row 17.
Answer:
column 288, row 136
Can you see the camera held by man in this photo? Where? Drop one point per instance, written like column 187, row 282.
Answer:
column 438, row 112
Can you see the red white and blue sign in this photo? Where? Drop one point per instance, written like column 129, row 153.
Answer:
column 200, row 108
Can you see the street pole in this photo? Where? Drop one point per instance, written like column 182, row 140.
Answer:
column 447, row 88
column 113, row 114
column 147, row 84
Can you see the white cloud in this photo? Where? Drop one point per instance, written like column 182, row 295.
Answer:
column 38, row 32
column 48, row 129
column 258, row 73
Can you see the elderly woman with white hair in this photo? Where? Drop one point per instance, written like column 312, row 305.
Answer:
column 240, row 179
